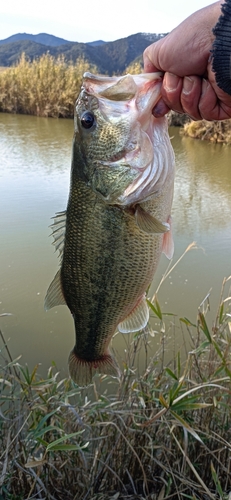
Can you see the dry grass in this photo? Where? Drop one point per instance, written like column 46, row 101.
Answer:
column 216, row 131
column 44, row 87
column 164, row 434
column 135, row 68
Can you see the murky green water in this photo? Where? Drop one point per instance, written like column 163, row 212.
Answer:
column 35, row 157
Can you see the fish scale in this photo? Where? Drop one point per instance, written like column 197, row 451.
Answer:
column 111, row 247
column 111, row 244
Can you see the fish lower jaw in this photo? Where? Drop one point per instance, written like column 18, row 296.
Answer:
column 82, row 370
column 123, row 158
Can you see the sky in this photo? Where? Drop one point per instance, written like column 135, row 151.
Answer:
column 89, row 20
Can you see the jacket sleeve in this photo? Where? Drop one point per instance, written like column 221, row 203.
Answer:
column 221, row 52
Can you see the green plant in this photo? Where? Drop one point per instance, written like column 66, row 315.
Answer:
column 163, row 434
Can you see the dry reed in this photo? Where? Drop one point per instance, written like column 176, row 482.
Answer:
column 46, row 86
column 43, row 87
column 214, row 131
column 164, row 434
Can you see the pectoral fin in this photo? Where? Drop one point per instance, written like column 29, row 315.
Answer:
column 148, row 223
column 137, row 319
column 54, row 296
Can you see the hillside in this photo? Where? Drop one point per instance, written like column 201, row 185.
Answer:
column 109, row 57
column 10, row 53
column 43, row 38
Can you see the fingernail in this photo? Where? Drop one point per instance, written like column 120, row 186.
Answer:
column 187, row 85
column 170, row 82
column 205, row 86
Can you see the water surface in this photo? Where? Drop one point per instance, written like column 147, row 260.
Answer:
column 35, row 159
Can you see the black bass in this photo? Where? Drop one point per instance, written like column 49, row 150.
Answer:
column 118, row 218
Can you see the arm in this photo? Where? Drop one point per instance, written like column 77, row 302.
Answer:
column 189, row 83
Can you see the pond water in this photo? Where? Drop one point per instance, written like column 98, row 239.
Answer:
column 35, row 158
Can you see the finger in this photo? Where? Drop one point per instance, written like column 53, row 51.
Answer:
column 210, row 107
column 149, row 67
column 190, row 96
column 171, row 91
column 160, row 109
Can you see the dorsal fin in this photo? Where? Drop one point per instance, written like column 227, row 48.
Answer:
column 58, row 231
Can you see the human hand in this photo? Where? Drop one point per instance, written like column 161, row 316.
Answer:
column 189, row 84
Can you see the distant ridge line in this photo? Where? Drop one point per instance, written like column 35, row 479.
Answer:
column 108, row 57
column 44, row 39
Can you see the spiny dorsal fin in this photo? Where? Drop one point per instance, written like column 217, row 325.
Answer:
column 58, row 231
column 54, row 296
column 148, row 223
column 137, row 319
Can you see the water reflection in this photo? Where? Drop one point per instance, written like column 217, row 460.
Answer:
column 201, row 213
column 29, row 144
column 203, row 186
column 35, row 158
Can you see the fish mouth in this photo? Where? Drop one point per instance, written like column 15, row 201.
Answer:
column 117, row 156
column 135, row 93
column 125, row 158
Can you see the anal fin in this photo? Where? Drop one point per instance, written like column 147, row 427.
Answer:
column 148, row 223
column 54, row 296
column 137, row 319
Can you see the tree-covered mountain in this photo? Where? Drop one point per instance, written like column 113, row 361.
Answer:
column 43, row 38
column 109, row 57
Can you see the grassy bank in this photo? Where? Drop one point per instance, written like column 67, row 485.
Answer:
column 44, row 87
column 216, row 131
column 49, row 87
column 160, row 435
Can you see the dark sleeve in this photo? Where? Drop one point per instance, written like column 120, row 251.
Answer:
column 221, row 52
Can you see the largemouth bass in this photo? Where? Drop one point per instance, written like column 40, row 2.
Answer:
column 118, row 219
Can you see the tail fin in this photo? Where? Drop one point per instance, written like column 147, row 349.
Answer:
column 82, row 371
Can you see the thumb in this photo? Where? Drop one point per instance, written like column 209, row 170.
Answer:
column 150, row 58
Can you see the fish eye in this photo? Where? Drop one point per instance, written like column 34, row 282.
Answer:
column 87, row 120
